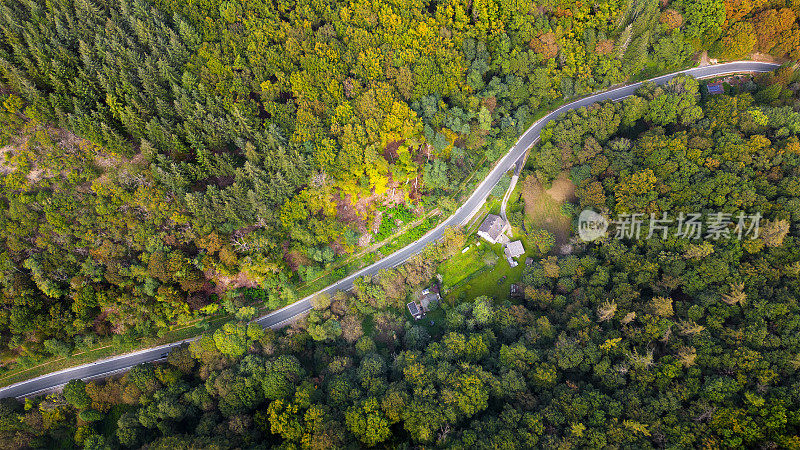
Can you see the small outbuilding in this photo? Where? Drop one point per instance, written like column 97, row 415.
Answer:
column 715, row 88
column 514, row 249
column 414, row 310
column 428, row 299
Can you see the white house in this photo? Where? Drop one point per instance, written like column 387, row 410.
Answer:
column 493, row 228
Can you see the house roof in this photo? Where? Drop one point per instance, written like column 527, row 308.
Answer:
column 493, row 226
column 412, row 308
column 715, row 89
column 515, row 249
column 428, row 298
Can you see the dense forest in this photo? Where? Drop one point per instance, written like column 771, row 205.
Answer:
column 635, row 343
column 159, row 155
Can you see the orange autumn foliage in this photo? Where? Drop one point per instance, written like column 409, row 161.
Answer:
column 545, row 45
column 671, row 18
column 770, row 25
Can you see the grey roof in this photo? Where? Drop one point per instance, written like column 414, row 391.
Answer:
column 493, row 225
column 428, row 298
column 514, row 249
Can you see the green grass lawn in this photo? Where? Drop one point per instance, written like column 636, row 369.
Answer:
column 437, row 316
column 489, row 281
column 462, row 265
column 493, row 205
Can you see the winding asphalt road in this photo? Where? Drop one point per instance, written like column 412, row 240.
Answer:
column 463, row 214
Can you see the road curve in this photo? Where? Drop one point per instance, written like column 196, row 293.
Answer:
column 276, row 319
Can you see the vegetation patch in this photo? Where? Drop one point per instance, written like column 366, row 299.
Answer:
column 464, row 264
column 411, row 235
column 544, row 209
column 392, row 219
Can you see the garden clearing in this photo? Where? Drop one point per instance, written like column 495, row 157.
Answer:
column 543, row 208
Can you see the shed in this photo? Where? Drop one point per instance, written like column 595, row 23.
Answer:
column 715, row 88
column 414, row 310
column 514, row 249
